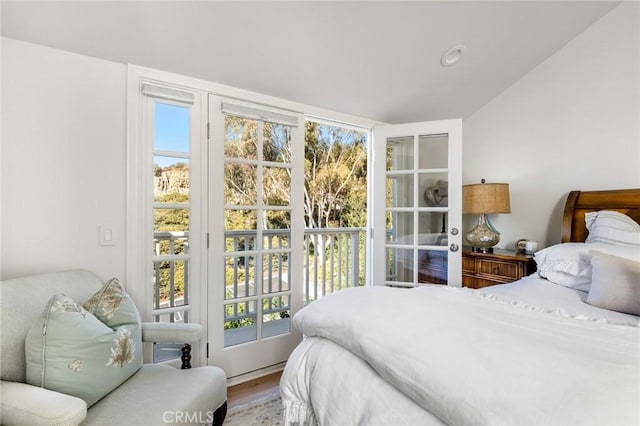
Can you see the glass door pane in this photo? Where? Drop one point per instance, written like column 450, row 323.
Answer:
column 416, row 206
column 417, row 178
column 255, row 212
column 257, row 192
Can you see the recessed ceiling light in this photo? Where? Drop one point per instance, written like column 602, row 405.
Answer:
column 453, row 55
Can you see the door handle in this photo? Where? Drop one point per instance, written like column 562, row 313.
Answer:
column 454, row 247
column 454, row 231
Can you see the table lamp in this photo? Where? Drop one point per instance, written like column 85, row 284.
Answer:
column 484, row 199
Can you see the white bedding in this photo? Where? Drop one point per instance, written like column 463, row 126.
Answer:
column 325, row 384
column 538, row 292
column 438, row 354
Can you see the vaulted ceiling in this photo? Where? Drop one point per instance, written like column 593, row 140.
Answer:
column 379, row 60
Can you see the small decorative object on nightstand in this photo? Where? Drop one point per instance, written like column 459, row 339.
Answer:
column 500, row 267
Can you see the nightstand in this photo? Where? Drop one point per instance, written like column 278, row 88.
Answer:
column 500, row 267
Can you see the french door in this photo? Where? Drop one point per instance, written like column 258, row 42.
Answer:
column 417, row 204
column 256, row 223
column 227, row 204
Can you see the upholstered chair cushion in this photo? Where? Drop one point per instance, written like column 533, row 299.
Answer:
column 23, row 404
column 163, row 395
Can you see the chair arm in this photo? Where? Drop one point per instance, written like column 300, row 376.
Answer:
column 23, row 404
column 171, row 332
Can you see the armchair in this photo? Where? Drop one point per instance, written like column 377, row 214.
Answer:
column 155, row 394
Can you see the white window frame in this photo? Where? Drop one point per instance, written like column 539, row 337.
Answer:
column 140, row 202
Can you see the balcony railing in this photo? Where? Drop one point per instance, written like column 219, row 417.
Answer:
column 171, row 275
column 333, row 260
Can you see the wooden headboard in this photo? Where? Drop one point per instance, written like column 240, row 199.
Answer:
column 579, row 203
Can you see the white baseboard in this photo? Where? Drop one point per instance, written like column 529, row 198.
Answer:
column 255, row 374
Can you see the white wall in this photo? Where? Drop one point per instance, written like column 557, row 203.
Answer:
column 63, row 161
column 570, row 123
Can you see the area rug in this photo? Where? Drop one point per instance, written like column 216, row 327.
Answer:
column 265, row 411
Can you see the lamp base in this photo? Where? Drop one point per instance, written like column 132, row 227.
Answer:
column 483, row 237
column 482, row 249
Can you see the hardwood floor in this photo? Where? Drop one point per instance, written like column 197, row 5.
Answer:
column 253, row 389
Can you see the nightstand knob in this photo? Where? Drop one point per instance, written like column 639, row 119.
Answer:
column 454, row 231
column 454, row 247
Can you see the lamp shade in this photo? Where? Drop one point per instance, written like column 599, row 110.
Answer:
column 486, row 198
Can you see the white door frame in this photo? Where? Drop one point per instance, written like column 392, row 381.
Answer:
column 453, row 128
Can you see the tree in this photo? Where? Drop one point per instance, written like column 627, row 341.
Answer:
column 335, row 176
column 335, row 172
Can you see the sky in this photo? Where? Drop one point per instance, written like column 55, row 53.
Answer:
column 171, row 132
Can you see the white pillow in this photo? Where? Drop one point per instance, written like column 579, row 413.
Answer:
column 612, row 227
column 569, row 264
column 616, row 283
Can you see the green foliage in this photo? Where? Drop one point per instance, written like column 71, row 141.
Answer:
column 167, row 220
column 242, row 321
column 335, row 176
column 171, row 220
column 240, row 179
column 163, row 273
column 335, row 171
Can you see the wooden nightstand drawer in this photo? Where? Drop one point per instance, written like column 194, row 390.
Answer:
column 475, row 282
column 468, row 264
column 501, row 267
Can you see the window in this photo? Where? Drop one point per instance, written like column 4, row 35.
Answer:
column 171, row 210
column 171, row 175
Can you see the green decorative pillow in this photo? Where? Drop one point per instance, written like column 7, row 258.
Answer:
column 85, row 351
column 113, row 306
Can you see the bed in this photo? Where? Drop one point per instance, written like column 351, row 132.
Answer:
column 561, row 346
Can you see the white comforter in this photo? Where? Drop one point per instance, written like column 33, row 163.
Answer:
column 467, row 358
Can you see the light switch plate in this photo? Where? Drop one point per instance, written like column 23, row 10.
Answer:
column 107, row 236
